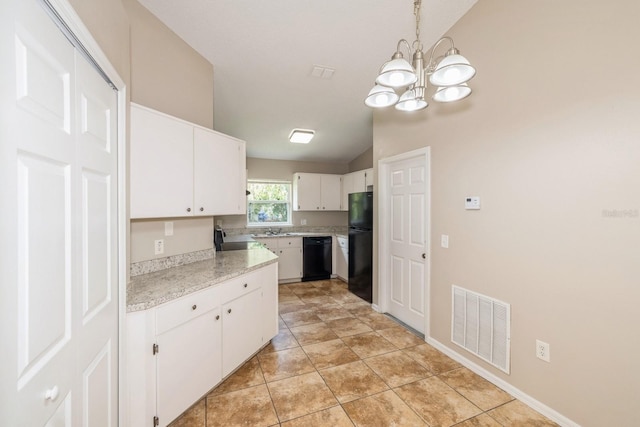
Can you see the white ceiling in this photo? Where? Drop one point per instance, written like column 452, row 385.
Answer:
column 263, row 54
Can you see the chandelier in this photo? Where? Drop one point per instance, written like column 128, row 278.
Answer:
column 449, row 73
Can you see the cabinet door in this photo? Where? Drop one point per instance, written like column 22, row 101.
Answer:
column 347, row 188
column 289, row 263
column 331, row 192
column 161, row 165
column 306, row 192
column 241, row 329
column 188, row 364
column 342, row 258
column 369, row 178
column 219, row 175
column 359, row 182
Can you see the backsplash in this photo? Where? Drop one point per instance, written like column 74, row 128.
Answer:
column 150, row 266
column 294, row 229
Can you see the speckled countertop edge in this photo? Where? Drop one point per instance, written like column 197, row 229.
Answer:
column 149, row 290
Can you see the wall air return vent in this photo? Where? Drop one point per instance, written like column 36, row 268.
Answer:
column 481, row 325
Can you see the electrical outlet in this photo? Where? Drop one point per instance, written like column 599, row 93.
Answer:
column 543, row 351
column 158, row 246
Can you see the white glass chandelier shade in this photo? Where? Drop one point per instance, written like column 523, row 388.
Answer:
column 397, row 73
column 453, row 70
column 381, row 96
column 410, row 101
column 452, row 93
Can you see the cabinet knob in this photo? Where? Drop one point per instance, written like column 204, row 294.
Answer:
column 193, row 307
column 323, row 207
column 188, row 209
column 217, row 317
column 201, row 209
column 245, row 285
column 317, row 207
column 52, row 393
column 424, row 256
column 229, row 311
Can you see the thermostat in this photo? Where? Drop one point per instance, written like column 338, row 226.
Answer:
column 472, row 202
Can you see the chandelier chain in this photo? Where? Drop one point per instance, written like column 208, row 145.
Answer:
column 416, row 12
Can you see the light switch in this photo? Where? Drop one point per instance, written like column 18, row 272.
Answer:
column 472, row 203
column 444, row 241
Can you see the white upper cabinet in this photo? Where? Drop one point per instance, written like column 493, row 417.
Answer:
column 356, row 182
column 161, row 165
column 316, row 192
column 179, row 169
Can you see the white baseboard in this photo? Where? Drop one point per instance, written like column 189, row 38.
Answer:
column 515, row 392
column 376, row 308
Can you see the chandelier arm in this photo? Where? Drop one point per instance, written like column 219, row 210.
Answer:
column 407, row 44
column 430, row 65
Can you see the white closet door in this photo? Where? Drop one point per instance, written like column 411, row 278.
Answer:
column 59, row 301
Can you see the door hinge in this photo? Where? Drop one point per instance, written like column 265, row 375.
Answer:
column 156, row 421
column 156, row 349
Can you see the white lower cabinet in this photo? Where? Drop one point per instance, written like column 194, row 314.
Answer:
column 342, row 258
column 289, row 251
column 178, row 351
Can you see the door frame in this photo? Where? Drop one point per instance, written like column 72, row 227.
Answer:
column 384, row 249
column 75, row 25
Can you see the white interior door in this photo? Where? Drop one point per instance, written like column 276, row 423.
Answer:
column 405, row 219
column 60, row 237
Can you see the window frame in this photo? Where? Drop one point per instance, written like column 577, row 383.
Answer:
column 288, row 203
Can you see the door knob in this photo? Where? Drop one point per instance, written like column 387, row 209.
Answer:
column 52, row 393
column 424, row 256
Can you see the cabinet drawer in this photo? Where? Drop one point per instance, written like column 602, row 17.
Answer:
column 292, row 242
column 239, row 286
column 188, row 307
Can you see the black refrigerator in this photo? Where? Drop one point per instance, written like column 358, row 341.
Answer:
column 361, row 244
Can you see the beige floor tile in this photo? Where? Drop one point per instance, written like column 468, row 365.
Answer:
column 348, row 326
column 312, row 334
column 397, row 368
column 320, row 300
column 300, row 395
column 358, row 308
column 436, row 402
column 284, row 289
column 332, row 417
column 432, row 359
column 369, row 344
column 248, row 375
column 331, row 312
column 482, row 420
column 291, row 306
column 282, row 341
column 400, row 337
column 284, row 364
column 300, row 318
column 247, row 407
column 348, row 298
column 517, row 413
column 309, row 292
column 382, row 410
column 353, row 381
column 377, row 321
column 288, row 297
column 331, row 353
column 479, row 391
column 281, row 323
column 193, row 417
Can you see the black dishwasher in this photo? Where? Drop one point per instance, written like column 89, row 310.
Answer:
column 316, row 258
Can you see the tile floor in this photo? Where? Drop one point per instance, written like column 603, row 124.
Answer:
column 338, row 363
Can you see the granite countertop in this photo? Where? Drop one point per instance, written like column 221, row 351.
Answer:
column 152, row 289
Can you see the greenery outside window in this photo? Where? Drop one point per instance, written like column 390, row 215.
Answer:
column 269, row 203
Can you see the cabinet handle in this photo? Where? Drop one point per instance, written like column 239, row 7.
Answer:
column 193, row 307
column 201, row 209
column 229, row 311
column 188, row 209
column 245, row 285
column 218, row 317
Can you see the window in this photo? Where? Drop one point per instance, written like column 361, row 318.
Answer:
column 269, row 203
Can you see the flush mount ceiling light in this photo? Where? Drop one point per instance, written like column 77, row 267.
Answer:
column 450, row 72
column 301, row 136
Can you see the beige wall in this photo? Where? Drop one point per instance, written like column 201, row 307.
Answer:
column 363, row 161
column 550, row 142
column 284, row 170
